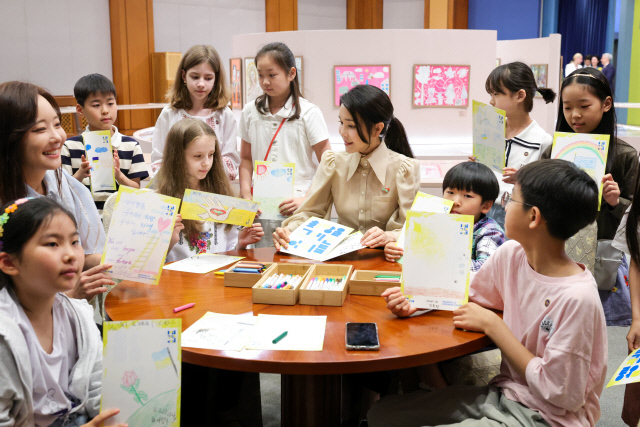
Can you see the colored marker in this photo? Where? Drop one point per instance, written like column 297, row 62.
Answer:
column 219, row 273
column 392, row 280
column 183, row 307
column 279, row 337
column 385, row 276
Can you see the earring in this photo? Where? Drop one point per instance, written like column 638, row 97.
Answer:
column 185, row 82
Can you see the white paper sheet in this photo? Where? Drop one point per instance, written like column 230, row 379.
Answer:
column 316, row 238
column 304, row 333
column 350, row 244
column 273, row 185
column 202, row 263
column 100, row 156
column 215, row 331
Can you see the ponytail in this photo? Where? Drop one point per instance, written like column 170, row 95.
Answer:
column 547, row 94
column 396, row 139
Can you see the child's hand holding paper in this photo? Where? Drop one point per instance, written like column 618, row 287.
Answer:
column 84, row 171
column 392, row 252
column 397, row 303
column 250, row 235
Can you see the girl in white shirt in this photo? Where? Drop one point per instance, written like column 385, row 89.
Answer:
column 50, row 349
column 281, row 126
column 200, row 91
column 193, row 161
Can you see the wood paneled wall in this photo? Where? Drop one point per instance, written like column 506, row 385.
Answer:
column 446, row 14
column 281, row 15
column 132, row 47
column 364, row 14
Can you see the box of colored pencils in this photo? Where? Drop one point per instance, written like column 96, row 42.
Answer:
column 327, row 284
column 371, row 282
column 280, row 284
column 245, row 274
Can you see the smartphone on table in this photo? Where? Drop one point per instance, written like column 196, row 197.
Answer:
column 362, row 336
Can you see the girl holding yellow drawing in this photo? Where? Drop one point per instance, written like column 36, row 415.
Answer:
column 373, row 182
column 193, row 161
column 50, row 349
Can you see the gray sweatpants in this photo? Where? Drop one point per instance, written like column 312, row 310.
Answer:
column 483, row 406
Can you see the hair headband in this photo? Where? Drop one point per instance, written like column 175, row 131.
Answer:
column 5, row 216
column 585, row 75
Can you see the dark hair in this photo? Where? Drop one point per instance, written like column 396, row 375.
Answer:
column 513, row 77
column 23, row 223
column 566, row 196
column 369, row 105
column 18, row 114
column 597, row 85
column 283, row 57
column 472, row 176
column 92, row 84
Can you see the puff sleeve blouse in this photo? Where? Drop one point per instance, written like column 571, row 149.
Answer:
column 374, row 190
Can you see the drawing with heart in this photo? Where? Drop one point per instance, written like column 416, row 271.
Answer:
column 163, row 223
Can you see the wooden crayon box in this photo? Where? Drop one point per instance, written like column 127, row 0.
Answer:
column 244, row 280
column 326, row 297
column 363, row 282
column 280, row 296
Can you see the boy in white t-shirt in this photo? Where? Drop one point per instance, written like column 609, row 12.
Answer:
column 552, row 335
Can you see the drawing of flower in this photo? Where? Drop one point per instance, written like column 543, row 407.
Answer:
column 130, row 384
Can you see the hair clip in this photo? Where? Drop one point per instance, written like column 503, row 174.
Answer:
column 5, row 216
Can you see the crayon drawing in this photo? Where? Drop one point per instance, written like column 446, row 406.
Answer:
column 587, row 151
column 437, row 258
column 273, row 185
column 489, row 135
column 99, row 152
column 142, row 372
column 139, row 235
column 316, row 238
column 202, row 206
column 251, row 88
column 424, row 202
column 540, row 73
column 347, row 76
column 441, row 85
column 235, row 78
column 629, row 371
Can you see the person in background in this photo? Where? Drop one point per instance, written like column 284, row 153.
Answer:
column 573, row 65
column 595, row 62
column 609, row 70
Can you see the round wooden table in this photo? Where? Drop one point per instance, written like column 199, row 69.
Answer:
column 310, row 379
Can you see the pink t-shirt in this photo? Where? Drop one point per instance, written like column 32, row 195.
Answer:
column 558, row 319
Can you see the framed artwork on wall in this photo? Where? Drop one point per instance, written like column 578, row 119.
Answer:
column 540, row 73
column 347, row 76
column 441, row 85
column 251, row 88
column 299, row 70
column 235, row 80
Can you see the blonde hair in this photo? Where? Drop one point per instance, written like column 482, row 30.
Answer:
column 178, row 96
column 172, row 179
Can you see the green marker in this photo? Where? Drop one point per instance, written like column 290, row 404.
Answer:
column 279, row 337
column 384, row 276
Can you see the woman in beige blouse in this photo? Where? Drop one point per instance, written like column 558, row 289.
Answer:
column 373, row 182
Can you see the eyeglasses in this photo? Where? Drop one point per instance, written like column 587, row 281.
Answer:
column 506, row 199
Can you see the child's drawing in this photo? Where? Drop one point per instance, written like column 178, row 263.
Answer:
column 489, row 135
column 299, row 70
column 142, row 372
column 540, row 74
column 98, row 149
column 437, row 258
column 252, row 88
column 347, row 76
column 235, row 78
column 273, row 185
column 441, row 85
column 203, row 206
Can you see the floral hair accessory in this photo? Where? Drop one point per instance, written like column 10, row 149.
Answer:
column 5, row 216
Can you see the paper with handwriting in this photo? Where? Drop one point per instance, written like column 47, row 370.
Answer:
column 437, row 258
column 316, row 238
column 202, row 263
column 215, row 331
column 348, row 245
column 99, row 153
column 139, row 235
column 201, row 206
column 142, row 370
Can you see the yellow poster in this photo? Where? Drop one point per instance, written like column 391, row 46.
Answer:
column 201, row 206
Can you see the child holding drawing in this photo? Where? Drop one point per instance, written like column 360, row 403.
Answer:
column 512, row 87
column 552, row 336
column 193, row 161
column 96, row 98
column 472, row 187
column 30, row 141
column 50, row 349
column 587, row 107
column 201, row 91
column 281, row 126
column 373, row 182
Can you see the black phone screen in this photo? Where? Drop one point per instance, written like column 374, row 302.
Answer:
column 362, row 334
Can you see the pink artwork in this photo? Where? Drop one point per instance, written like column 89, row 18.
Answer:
column 347, row 76
column 441, row 85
